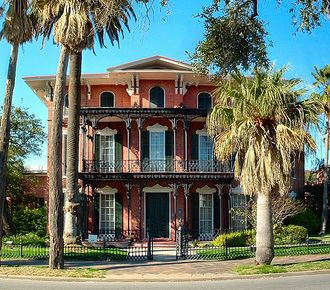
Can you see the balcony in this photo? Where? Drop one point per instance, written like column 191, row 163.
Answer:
column 152, row 166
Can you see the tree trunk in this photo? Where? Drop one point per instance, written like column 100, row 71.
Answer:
column 265, row 236
column 5, row 129
column 71, row 202
column 8, row 226
column 325, row 183
column 56, row 199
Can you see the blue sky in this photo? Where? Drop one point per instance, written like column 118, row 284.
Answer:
column 170, row 32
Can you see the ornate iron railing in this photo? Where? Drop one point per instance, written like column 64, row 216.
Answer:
column 147, row 165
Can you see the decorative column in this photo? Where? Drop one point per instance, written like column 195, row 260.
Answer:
column 140, row 192
column 229, row 207
column 128, row 195
column 174, row 127
column 128, row 123
column 186, row 127
column 220, row 194
column 174, row 187
column 186, row 188
column 139, row 122
column 83, row 132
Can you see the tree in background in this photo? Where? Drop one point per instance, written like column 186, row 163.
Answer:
column 261, row 120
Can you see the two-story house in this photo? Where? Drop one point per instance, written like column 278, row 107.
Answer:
column 146, row 161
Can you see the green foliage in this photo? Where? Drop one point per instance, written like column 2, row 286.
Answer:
column 28, row 220
column 307, row 219
column 290, row 234
column 234, row 239
column 31, row 239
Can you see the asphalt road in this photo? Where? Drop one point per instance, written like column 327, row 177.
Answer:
column 312, row 282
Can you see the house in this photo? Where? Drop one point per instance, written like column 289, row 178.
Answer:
column 146, row 162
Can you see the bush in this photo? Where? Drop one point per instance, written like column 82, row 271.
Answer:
column 28, row 220
column 30, row 239
column 290, row 234
column 307, row 219
column 235, row 239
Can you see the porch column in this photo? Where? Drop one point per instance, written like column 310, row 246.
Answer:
column 83, row 132
column 220, row 194
column 139, row 122
column 128, row 195
column 94, row 164
column 140, row 191
column 229, row 208
column 186, row 188
column 174, row 187
column 174, row 127
column 128, row 123
column 186, row 127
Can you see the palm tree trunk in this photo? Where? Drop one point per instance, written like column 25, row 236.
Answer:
column 5, row 129
column 325, row 183
column 56, row 199
column 265, row 236
column 71, row 203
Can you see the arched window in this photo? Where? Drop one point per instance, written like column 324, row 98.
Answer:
column 107, row 99
column 157, row 96
column 204, row 101
column 66, row 105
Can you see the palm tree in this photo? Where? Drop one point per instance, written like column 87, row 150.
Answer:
column 17, row 29
column 261, row 120
column 322, row 81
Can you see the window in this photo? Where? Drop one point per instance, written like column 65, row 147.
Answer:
column 206, row 215
column 107, row 213
column 107, row 152
column 205, row 153
column 66, row 105
column 157, row 96
column 157, row 151
column 204, row 101
column 107, row 99
column 238, row 208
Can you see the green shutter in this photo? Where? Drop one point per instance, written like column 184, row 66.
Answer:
column 195, row 214
column 96, row 213
column 169, row 150
column 216, row 212
column 96, row 152
column 118, row 214
column 83, row 215
column 194, row 147
column 145, row 150
column 118, row 153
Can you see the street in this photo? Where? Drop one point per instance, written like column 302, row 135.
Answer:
column 311, row 282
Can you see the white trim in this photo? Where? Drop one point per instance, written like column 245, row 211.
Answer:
column 164, row 95
column 202, row 132
column 204, row 93
column 157, row 128
column 206, row 189
column 107, row 190
column 114, row 99
column 157, row 188
column 106, row 132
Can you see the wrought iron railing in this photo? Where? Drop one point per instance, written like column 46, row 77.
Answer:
column 147, row 165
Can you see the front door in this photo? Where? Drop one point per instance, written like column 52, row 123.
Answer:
column 157, row 214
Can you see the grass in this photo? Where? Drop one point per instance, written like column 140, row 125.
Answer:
column 268, row 269
column 44, row 271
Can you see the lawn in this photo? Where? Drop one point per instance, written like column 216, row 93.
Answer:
column 268, row 269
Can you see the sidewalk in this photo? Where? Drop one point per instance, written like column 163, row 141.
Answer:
column 167, row 269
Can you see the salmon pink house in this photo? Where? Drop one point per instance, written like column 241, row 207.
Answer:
column 146, row 161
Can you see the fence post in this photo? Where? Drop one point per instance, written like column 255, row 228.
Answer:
column 20, row 249
column 226, row 249
column 149, row 253
column 307, row 241
column 179, row 242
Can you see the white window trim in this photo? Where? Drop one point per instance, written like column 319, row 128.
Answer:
column 236, row 191
column 106, row 132
column 114, row 99
column 205, row 192
column 157, row 128
column 107, row 190
column 164, row 95
column 204, row 93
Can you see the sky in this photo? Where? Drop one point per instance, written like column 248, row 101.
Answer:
column 170, row 32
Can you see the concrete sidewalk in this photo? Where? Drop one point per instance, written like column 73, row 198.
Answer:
column 172, row 270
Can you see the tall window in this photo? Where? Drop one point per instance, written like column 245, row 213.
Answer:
column 107, row 99
column 66, row 105
column 238, row 208
column 107, row 151
column 205, row 153
column 204, row 101
column 157, row 97
column 107, row 213
column 157, row 151
column 205, row 214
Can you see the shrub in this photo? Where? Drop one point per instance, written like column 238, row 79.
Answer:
column 235, row 239
column 307, row 219
column 30, row 239
column 28, row 220
column 290, row 234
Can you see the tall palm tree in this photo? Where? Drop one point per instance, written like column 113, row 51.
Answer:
column 322, row 81
column 261, row 119
column 17, row 29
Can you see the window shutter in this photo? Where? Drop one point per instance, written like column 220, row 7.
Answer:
column 169, row 150
column 194, row 147
column 83, row 215
column 118, row 153
column 145, row 150
column 96, row 213
column 96, row 152
column 118, row 214
column 216, row 211
column 195, row 214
